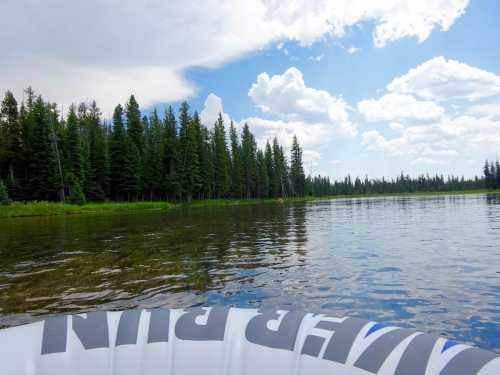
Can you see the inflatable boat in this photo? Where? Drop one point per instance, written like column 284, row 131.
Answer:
column 224, row 340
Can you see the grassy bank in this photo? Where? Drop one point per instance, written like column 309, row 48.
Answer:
column 18, row 209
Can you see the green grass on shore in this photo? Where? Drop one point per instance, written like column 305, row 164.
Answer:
column 18, row 209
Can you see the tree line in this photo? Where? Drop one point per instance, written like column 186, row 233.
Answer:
column 79, row 157
column 321, row 186
column 82, row 158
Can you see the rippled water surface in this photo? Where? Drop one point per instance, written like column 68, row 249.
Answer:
column 431, row 263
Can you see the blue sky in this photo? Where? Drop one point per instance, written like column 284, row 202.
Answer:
column 370, row 88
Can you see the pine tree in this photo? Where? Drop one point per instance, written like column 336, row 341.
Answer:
column 221, row 159
column 153, row 156
column 118, row 156
column 189, row 167
column 44, row 180
column 135, row 129
column 202, row 149
column 297, row 174
column 72, row 147
column 236, row 177
column 279, row 170
column 135, row 133
column 248, row 162
column 10, row 139
column 97, row 179
column 268, row 157
column 170, row 157
column 25, row 160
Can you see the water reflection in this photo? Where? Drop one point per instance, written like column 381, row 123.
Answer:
column 74, row 264
column 429, row 263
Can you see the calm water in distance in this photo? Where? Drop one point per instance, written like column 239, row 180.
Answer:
column 430, row 263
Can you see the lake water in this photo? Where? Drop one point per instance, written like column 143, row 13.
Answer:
column 430, row 263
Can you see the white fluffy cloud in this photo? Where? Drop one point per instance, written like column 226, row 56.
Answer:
column 391, row 107
column 211, row 109
column 307, row 20
column 441, row 79
column 287, row 97
column 145, row 47
column 429, row 108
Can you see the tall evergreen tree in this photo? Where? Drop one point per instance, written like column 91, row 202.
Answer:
column 118, row 156
column 72, row 150
column 135, row 133
column 236, row 176
column 221, row 159
column 170, row 157
column 279, row 168
column 268, row 157
column 248, row 162
column 153, row 157
column 97, row 179
column 189, row 161
column 202, row 149
column 10, row 139
column 135, row 129
column 297, row 174
column 44, row 180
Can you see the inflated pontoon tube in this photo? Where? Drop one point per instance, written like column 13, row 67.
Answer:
column 223, row 341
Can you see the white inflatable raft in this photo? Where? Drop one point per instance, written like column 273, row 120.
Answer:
column 223, row 341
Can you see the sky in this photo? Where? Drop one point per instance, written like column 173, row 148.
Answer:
column 369, row 87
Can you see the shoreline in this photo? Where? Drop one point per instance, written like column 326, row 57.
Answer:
column 41, row 209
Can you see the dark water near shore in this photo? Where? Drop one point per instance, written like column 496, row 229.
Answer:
column 431, row 263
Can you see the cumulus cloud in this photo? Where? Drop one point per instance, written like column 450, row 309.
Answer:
column 391, row 107
column 441, row 79
column 145, row 47
column 430, row 110
column 287, row 97
column 293, row 108
column 308, row 20
column 211, row 109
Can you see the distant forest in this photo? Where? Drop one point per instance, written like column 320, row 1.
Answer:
column 80, row 158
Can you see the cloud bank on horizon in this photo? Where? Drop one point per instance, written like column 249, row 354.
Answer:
column 436, row 110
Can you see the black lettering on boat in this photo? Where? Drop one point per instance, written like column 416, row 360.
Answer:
column 128, row 327
column 159, row 324
column 339, row 344
column 92, row 330
column 257, row 331
column 54, row 337
column 375, row 355
column 416, row 356
column 468, row 361
column 186, row 327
